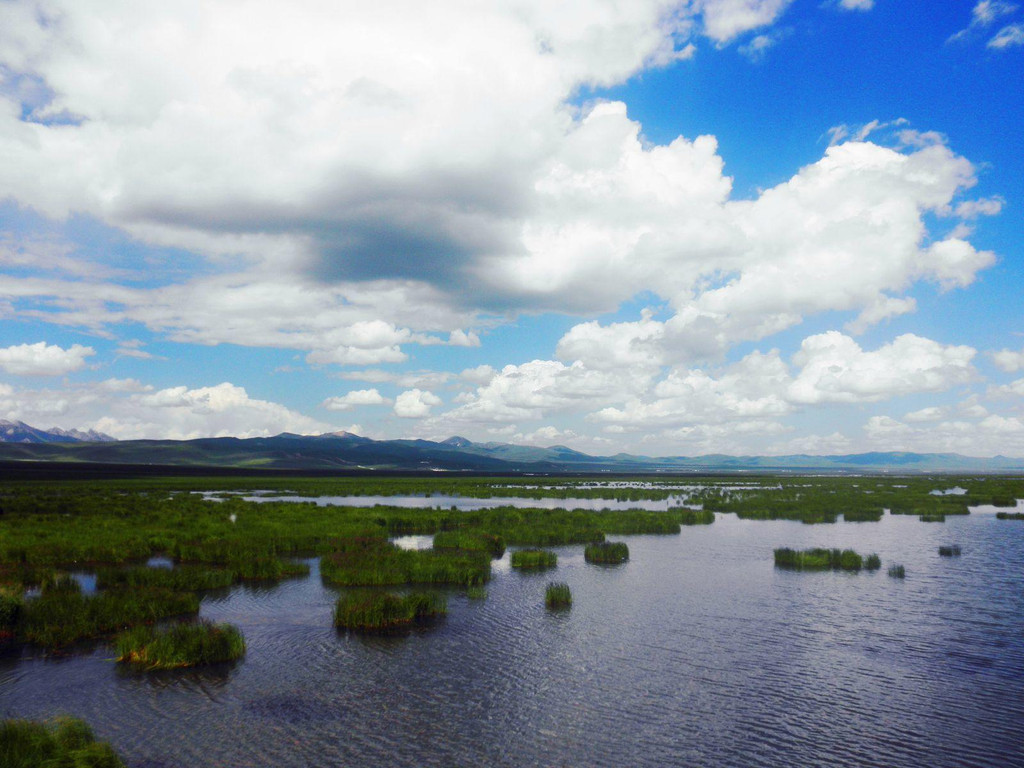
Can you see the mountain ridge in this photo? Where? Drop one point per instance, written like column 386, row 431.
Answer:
column 343, row 451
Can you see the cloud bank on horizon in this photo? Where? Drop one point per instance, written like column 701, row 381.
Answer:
column 487, row 219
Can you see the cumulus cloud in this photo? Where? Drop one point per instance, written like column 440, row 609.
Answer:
column 988, row 436
column 726, row 19
column 42, row 359
column 1008, row 360
column 355, row 398
column 128, row 410
column 857, row 5
column 415, row 403
column 834, row 368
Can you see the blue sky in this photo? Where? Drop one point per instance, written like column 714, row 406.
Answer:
column 739, row 226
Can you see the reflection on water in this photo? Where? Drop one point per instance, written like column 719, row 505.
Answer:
column 470, row 504
column 695, row 652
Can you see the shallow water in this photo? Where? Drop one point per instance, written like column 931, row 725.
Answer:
column 470, row 503
column 697, row 652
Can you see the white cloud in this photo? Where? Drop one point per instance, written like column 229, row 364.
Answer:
column 972, row 209
column 984, row 14
column 726, row 19
column 415, row 404
column 128, row 409
column 42, row 359
column 538, row 388
column 835, row 369
column 752, row 389
column 1007, row 37
column 857, row 5
column 931, row 413
column 758, row 46
column 356, row 397
column 990, row 436
column 407, row 379
column 1008, row 360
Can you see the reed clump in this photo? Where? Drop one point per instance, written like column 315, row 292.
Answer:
column 897, row 571
column 181, row 645
column 383, row 612
column 872, row 562
column 818, row 559
column 949, row 550
column 62, row 742
column 533, row 559
column 184, row 578
column 687, row 516
column 1010, row 515
column 59, row 619
column 473, row 541
column 377, row 562
column 557, row 596
column 11, row 606
column 932, row 518
column 476, row 593
column 607, row 553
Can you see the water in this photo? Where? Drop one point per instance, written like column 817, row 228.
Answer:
column 697, row 652
column 467, row 503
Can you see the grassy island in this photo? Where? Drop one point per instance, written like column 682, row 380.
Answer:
column 182, row 645
column 383, row 612
column 63, row 742
column 557, row 596
column 606, row 553
column 824, row 560
column 533, row 559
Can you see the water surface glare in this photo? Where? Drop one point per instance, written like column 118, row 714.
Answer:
column 697, row 652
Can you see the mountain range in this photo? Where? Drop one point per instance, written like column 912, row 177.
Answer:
column 343, row 451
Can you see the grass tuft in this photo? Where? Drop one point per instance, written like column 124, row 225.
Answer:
column 533, row 559
column 182, row 645
column 897, row 571
column 949, row 550
column 557, row 596
column 384, row 612
column 819, row 559
column 606, row 553
column 62, row 742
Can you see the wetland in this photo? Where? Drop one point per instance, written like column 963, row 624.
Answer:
column 356, row 634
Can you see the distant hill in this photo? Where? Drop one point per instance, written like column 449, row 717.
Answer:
column 20, row 432
column 342, row 451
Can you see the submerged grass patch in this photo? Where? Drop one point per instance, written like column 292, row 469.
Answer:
column 607, row 553
column 557, row 595
column 823, row 559
column 897, row 571
column 181, row 645
column 382, row 612
column 1009, row 515
column 62, row 743
column 949, row 550
column 533, row 559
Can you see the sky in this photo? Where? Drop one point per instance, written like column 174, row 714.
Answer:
column 666, row 228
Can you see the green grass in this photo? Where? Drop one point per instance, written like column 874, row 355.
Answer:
column 872, row 562
column 181, row 645
column 61, row 743
column 383, row 612
column 897, row 571
column 693, row 516
column 557, row 596
column 59, row 619
column 378, row 562
column 949, row 550
column 476, row 593
column 606, row 553
column 930, row 518
column 533, row 559
column 1010, row 515
column 184, row 578
column 474, row 541
column 820, row 559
